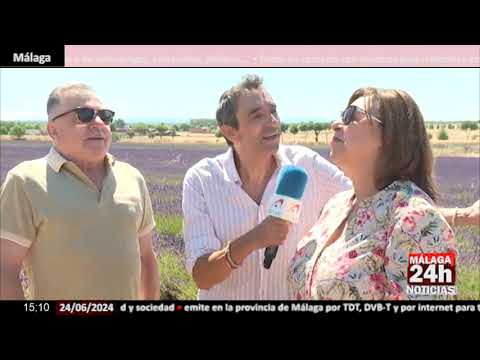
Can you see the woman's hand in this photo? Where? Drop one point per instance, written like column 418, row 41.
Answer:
column 472, row 214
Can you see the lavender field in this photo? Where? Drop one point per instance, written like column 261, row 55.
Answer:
column 164, row 166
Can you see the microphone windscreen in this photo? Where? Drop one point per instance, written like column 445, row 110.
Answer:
column 292, row 181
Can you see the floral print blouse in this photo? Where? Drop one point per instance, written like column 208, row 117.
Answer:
column 369, row 260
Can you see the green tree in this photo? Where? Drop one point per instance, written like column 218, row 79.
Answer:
column 294, row 131
column 218, row 134
column 5, row 127
column 18, row 131
column 304, row 128
column 210, row 123
column 161, row 130
column 317, row 127
column 115, row 137
column 185, row 127
column 467, row 126
column 119, row 123
column 152, row 133
column 113, row 128
column 443, row 135
column 4, row 130
column 141, row 129
column 283, row 129
column 472, row 125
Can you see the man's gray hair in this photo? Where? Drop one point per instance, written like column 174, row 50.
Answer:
column 228, row 103
column 57, row 94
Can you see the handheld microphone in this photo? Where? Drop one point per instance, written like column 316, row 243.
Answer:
column 286, row 203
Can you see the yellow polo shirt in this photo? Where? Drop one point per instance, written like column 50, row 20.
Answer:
column 83, row 243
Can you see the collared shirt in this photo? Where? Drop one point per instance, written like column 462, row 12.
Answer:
column 83, row 243
column 217, row 210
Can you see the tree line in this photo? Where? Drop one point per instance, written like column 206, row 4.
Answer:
column 18, row 129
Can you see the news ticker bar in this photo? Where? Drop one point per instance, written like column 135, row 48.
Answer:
column 246, row 56
column 190, row 308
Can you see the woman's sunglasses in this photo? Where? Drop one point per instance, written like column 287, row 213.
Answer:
column 86, row 115
column 347, row 114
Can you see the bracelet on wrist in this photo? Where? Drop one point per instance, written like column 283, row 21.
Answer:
column 228, row 256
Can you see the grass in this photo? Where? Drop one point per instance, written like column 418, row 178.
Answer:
column 456, row 149
column 468, row 283
column 169, row 224
column 468, row 275
column 175, row 282
column 175, row 181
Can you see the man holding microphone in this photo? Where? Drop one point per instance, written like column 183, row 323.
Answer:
column 227, row 201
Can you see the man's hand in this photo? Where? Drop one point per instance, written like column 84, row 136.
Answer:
column 271, row 232
column 213, row 268
column 11, row 258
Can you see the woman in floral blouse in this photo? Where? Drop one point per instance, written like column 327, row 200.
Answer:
column 358, row 249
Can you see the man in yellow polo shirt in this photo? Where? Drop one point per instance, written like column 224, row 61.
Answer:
column 80, row 221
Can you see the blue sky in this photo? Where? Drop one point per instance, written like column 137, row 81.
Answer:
column 137, row 94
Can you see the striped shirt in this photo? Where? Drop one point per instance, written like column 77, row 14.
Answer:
column 216, row 210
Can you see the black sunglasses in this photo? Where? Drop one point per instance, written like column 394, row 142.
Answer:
column 347, row 114
column 86, row 115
